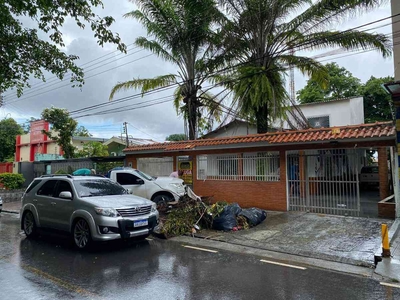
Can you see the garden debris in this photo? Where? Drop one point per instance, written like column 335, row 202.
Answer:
column 254, row 215
column 190, row 215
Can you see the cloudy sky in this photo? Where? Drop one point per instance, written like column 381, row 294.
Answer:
column 104, row 67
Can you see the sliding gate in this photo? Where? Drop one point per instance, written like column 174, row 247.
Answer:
column 324, row 181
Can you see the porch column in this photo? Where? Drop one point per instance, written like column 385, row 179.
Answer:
column 383, row 173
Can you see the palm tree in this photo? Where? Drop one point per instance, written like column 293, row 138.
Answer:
column 182, row 32
column 266, row 34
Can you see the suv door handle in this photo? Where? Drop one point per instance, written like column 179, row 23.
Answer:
column 34, row 200
column 53, row 203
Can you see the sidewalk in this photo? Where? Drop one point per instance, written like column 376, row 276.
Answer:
column 348, row 240
column 12, row 207
column 390, row 267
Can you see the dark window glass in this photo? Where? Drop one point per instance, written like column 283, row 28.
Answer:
column 63, row 186
column 127, row 179
column 47, row 189
column 32, row 185
column 319, row 122
column 98, row 187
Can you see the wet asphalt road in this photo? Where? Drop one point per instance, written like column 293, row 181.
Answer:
column 49, row 268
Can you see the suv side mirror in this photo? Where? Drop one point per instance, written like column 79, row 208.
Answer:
column 139, row 181
column 65, row 195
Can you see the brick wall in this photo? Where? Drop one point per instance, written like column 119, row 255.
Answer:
column 265, row 195
column 386, row 210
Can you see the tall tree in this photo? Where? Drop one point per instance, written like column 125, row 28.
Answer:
column 93, row 149
column 9, row 129
column 181, row 32
column 341, row 84
column 266, row 33
column 377, row 102
column 82, row 131
column 176, row 137
column 23, row 52
column 62, row 129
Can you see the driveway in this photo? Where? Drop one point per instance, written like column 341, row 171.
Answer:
column 350, row 240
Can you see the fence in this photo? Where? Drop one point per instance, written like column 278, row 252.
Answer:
column 261, row 166
column 6, row 167
column 324, row 181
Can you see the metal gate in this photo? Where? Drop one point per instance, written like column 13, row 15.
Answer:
column 156, row 166
column 324, row 181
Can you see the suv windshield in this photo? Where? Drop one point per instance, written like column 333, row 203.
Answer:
column 98, row 187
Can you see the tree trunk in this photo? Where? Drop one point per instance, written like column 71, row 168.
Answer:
column 262, row 119
column 192, row 117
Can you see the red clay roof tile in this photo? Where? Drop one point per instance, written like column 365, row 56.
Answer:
column 375, row 130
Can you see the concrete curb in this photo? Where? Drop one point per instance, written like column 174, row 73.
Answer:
column 283, row 257
column 305, row 254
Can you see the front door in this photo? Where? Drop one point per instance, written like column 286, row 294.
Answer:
column 132, row 183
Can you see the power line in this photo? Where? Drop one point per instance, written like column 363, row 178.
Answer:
column 360, row 26
column 51, row 79
column 57, row 81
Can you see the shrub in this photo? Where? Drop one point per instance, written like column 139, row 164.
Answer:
column 12, row 181
column 61, row 171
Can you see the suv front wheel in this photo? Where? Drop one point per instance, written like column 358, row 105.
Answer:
column 81, row 234
column 29, row 224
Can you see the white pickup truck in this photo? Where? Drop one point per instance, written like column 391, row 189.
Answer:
column 153, row 188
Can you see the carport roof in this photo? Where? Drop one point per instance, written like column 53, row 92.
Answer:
column 376, row 131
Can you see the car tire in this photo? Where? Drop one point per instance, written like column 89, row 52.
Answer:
column 162, row 202
column 29, row 225
column 81, row 234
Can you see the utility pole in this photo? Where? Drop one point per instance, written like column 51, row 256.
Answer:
column 396, row 37
column 125, row 124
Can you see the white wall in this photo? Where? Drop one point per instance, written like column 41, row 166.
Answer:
column 341, row 112
column 235, row 129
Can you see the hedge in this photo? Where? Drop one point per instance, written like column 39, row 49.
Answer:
column 11, row 181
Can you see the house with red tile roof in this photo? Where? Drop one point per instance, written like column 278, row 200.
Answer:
column 316, row 170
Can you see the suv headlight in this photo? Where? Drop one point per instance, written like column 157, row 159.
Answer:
column 177, row 185
column 153, row 207
column 106, row 211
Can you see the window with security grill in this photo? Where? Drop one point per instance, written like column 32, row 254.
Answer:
column 255, row 166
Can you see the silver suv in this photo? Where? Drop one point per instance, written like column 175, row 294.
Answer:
column 90, row 208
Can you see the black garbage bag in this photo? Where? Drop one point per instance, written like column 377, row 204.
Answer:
column 225, row 222
column 254, row 215
column 233, row 208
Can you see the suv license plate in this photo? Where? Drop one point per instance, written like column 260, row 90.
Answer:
column 140, row 223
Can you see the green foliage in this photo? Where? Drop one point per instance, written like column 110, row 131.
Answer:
column 9, row 129
column 377, row 102
column 27, row 126
column 63, row 128
column 11, row 181
column 61, row 171
column 341, row 84
column 265, row 35
column 23, row 52
column 182, row 33
column 82, row 131
column 176, row 137
column 93, row 149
